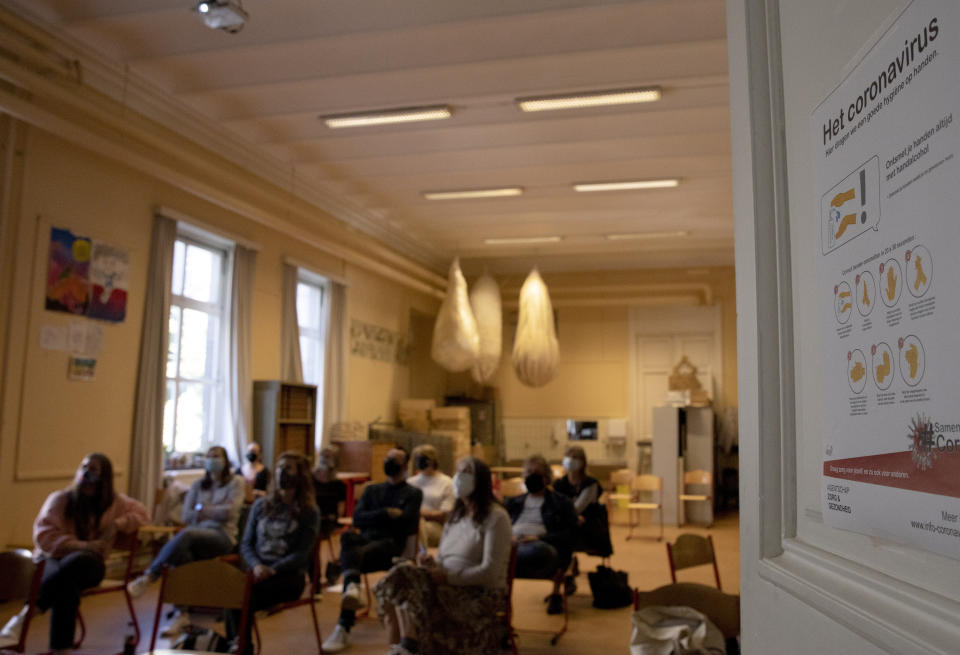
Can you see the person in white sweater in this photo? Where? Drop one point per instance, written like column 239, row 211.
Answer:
column 450, row 605
column 438, row 497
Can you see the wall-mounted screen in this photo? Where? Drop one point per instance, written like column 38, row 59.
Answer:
column 582, row 430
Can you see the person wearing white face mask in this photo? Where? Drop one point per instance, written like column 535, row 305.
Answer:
column 210, row 512
column 450, row 605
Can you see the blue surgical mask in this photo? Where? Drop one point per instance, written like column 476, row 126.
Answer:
column 214, row 465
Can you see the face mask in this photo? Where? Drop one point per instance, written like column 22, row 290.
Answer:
column 90, row 478
column 251, row 457
column 534, row 483
column 214, row 465
column 571, row 464
column 463, row 484
column 392, row 467
column 422, row 462
column 285, row 480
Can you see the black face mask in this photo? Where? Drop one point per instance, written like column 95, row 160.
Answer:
column 285, row 480
column 251, row 457
column 534, row 483
column 392, row 467
column 422, row 462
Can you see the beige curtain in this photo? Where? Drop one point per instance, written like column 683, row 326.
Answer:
column 291, row 367
column 335, row 360
column 146, row 456
column 240, row 386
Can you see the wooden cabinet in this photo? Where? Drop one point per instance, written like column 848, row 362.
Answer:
column 284, row 418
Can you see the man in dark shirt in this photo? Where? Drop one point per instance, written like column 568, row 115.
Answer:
column 386, row 515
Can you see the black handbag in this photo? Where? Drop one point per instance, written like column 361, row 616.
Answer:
column 610, row 588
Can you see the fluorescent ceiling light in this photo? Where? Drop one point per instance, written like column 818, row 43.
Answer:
column 386, row 116
column 473, row 193
column 636, row 236
column 505, row 241
column 227, row 15
column 589, row 99
column 626, row 185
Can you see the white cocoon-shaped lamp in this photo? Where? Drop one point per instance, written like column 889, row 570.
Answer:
column 455, row 339
column 485, row 301
column 535, row 348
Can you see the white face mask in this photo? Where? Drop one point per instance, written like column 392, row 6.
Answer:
column 463, row 484
column 571, row 464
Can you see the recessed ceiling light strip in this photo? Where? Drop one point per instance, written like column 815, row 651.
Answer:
column 510, row 241
column 460, row 194
column 387, row 116
column 626, row 185
column 589, row 99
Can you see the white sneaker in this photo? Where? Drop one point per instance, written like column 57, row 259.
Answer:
column 11, row 631
column 352, row 598
column 179, row 625
column 138, row 586
column 338, row 640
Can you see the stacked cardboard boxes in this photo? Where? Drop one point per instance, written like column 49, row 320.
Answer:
column 414, row 414
column 453, row 423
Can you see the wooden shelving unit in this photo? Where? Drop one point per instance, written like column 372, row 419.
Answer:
column 284, row 418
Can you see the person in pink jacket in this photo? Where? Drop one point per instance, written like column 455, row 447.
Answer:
column 73, row 532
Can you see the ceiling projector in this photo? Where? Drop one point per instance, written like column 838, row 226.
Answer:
column 227, row 15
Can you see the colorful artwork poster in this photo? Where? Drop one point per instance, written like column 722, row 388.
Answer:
column 68, row 286
column 109, row 278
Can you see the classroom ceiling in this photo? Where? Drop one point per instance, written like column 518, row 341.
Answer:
column 296, row 60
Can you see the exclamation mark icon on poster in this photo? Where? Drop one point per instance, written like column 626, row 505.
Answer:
column 863, row 196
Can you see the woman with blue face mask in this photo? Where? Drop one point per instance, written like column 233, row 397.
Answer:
column 210, row 514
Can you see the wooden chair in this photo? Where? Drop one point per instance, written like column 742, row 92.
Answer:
column 699, row 478
column 639, row 487
column 21, row 578
column 512, row 576
column 128, row 546
column 409, row 553
column 508, row 606
column 512, row 487
column 615, row 499
column 206, row 583
column 722, row 609
column 692, row 550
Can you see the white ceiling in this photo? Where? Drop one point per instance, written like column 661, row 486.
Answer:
column 297, row 59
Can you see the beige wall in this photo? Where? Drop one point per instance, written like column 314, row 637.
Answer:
column 48, row 423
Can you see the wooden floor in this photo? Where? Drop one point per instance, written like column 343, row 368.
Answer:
column 590, row 631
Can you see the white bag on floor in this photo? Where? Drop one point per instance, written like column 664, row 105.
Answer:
column 485, row 301
column 455, row 339
column 535, row 348
column 674, row 630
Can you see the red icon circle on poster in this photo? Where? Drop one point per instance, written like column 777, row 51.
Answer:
column 858, row 279
column 850, row 354
column 873, row 349
column 881, row 268
column 900, row 343
column 835, row 289
column 907, row 256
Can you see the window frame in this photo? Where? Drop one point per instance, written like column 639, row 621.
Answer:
column 320, row 335
column 214, row 388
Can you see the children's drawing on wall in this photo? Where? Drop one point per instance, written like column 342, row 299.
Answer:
column 87, row 277
column 68, row 272
column 109, row 277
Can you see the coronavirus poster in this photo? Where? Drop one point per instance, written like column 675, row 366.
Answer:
column 884, row 146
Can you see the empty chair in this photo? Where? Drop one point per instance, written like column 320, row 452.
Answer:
column 646, row 493
column 206, row 583
column 21, row 582
column 692, row 550
column 619, row 499
column 703, row 481
column 722, row 609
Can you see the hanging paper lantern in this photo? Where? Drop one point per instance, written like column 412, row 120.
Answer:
column 535, row 348
column 485, row 301
column 455, row 339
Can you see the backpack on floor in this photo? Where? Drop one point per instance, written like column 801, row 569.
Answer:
column 610, row 588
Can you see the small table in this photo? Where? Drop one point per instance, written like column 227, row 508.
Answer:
column 351, row 479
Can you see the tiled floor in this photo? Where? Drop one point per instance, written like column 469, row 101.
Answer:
column 590, row 631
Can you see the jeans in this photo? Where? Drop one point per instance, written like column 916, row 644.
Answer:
column 63, row 581
column 360, row 554
column 537, row 559
column 190, row 545
column 279, row 588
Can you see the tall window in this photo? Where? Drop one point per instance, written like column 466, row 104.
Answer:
column 196, row 346
column 311, row 295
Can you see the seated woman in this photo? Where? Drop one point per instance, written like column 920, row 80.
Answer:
column 593, row 531
column 256, row 475
column 450, row 605
column 73, row 533
column 278, row 539
column 210, row 513
column 438, row 498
